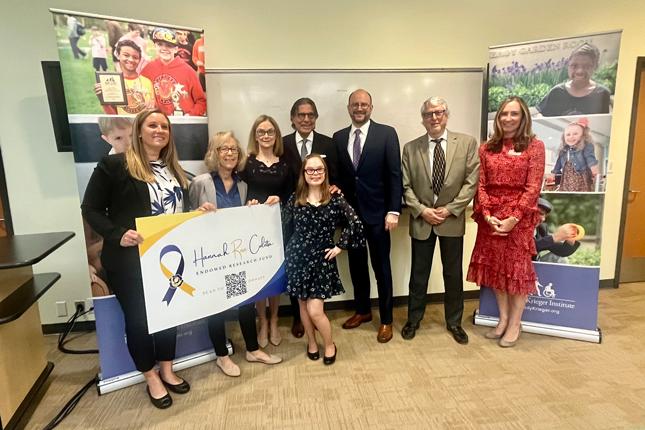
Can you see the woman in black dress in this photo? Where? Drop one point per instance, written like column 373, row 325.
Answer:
column 311, row 265
column 269, row 180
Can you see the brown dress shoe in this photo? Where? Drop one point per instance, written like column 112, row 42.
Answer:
column 356, row 320
column 297, row 329
column 384, row 333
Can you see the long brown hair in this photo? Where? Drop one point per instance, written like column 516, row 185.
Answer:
column 136, row 162
column 524, row 133
column 302, row 190
column 253, row 147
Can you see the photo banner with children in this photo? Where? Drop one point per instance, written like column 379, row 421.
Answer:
column 112, row 69
column 568, row 85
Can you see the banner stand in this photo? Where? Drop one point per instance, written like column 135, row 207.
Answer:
column 594, row 336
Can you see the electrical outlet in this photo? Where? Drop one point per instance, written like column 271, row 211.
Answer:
column 79, row 305
column 89, row 303
column 61, row 309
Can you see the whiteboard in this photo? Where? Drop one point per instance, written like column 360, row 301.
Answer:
column 237, row 97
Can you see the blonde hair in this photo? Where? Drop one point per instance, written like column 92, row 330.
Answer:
column 524, row 133
column 302, row 190
column 253, row 147
column 107, row 124
column 585, row 139
column 212, row 154
column 136, row 162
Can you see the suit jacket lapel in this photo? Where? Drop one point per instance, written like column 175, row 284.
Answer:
column 370, row 132
column 451, row 148
column 424, row 154
column 343, row 141
column 143, row 194
column 315, row 144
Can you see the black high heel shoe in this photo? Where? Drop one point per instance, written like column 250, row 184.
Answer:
column 312, row 355
column 332, row 359
column 163, row 403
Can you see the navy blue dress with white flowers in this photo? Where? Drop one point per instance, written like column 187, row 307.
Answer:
column 309, row 275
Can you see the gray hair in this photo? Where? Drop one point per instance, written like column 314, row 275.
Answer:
column 435, row 101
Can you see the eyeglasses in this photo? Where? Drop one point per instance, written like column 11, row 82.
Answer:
column 225, row 149
column 437, row 113
column 318, row 171
column 359, row 105
column 303, row 115
column 260, row 133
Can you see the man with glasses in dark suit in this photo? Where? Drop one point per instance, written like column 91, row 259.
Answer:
column 369, row 166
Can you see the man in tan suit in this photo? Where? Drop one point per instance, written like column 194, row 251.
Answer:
column 440, row 176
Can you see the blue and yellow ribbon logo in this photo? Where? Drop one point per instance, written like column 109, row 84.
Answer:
column 175, row 280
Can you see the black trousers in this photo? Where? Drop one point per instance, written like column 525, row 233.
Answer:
column 452, row 249
column 145, row 349
column 378, row 241
column 76, row 51
column 217, row 330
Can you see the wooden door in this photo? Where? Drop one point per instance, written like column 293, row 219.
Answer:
column 632, row 265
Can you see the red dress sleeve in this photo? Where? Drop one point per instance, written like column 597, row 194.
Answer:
column 528, row 200
column 483, row 201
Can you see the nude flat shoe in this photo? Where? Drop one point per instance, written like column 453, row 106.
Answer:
column 509, row 343
column 275, row 338
column 229, row 368
column 273, row 359
column 492, row 335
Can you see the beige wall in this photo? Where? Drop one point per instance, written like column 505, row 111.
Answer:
column 284, row 34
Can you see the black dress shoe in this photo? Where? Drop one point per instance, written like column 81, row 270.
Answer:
column 182, row 388
column 409, row 330
column 163, row 403
column 313, row 355
column 330, row 360
column 458, row 334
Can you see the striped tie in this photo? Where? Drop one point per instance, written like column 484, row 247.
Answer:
column 438, row 167
column 357, row 148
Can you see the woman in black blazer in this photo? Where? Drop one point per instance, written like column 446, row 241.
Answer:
column 146, row 180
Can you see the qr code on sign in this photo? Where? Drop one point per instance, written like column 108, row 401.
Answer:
column 235, row 284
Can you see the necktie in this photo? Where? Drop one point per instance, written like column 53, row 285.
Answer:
column 303, row 149
column 438, row 167
column 357, row 148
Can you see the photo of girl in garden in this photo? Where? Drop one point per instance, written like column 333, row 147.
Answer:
column 557, row 77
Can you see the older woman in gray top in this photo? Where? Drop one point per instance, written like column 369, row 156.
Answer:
column 223, row 188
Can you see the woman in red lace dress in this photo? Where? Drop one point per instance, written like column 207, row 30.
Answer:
column 512, row 167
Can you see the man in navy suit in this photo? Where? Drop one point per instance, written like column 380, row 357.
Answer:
column 369, row 174
column 297, row 145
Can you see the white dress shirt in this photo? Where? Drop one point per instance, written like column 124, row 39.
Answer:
column 300, row 140
column 350, row 142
